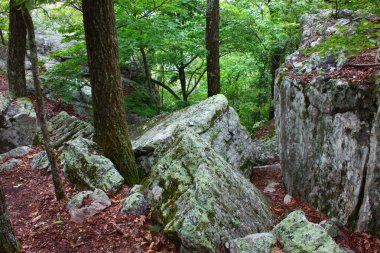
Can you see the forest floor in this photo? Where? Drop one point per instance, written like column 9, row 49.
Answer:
column 43, row 225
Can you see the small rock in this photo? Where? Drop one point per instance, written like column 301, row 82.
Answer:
column 135, row 204
column 331, row 227
column 41, row 161
column 135, row 188
column 10, row 164
column 271, row 187
column 288, row 199
column 255, row 243
column 79, row 208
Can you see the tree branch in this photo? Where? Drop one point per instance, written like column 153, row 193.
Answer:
column 166, row 88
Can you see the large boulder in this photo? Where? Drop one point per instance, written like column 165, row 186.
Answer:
column 328, row 131
column 216, row 123
column 63, row 128
column 18, row 123
column 83, row 166
column 255, row 243
column 201, row 199
column 298, row 235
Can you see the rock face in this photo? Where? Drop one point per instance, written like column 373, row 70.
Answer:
column 298, row 235
column 83, row 166
column 202, row 200
column 63, row 128
column 86, row 204
column 329, row 136
column 216, row 123
column 17, row 123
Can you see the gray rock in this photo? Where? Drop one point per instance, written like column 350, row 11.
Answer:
column 17, row 124
column 204, row 201
column 17, row 152
column 329, row 137
column 10, row 164
column 86, row 204
column 266, row 150
column 3, row 58
column 369, row 214
column 135, row 188
column 63, row 128
column 217, row 124
column 83, row 166
column 135, row 204
column 41, row 161
column 331, row 227
column 298, row 235
column 255, row 243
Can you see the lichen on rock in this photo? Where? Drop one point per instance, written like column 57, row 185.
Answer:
column 204, row 202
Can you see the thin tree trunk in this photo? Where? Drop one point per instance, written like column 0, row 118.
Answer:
column 2, row 37
column 111, row 130
column 16, row 52
column 182, row 80
column 59, row 191
column 212, row 46
column 148, row 75
column 275, row 64
column 8, row 241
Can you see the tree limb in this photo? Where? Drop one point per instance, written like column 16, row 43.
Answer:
column 166, row 88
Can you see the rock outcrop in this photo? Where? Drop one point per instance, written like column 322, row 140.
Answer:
column 329, row 130
column 216, row 123
column 203, row 200
column 63, row 128
column 18, row 123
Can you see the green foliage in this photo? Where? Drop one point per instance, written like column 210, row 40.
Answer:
column 140, row 102
column 351, row 42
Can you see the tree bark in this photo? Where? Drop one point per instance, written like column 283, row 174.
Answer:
column 16, row 52
column 41, row 115
column 212, row 46
column 111, row 130
column 8, row 241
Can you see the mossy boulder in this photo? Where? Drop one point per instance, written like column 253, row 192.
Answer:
column 203, row 201
column 135, row 204
column 255, row 243
column 63, row 128
column 298, row 235
column 216, row 122
column 83, row 166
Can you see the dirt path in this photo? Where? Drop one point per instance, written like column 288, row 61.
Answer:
column 43, row 225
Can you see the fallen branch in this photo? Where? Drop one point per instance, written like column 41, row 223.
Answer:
column 364, row 65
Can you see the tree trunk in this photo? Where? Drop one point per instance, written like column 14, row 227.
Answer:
column 2, row 37
column 8, row 241
column 212, row 46
column 41, row 115
column 111, row 131
column 275, row 64
column 148, row 75
column 16, row 52
column 182, row 80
